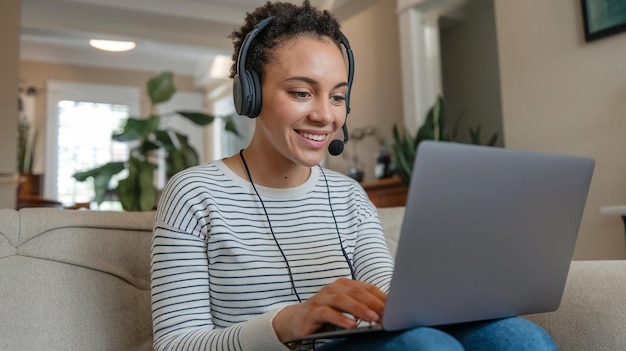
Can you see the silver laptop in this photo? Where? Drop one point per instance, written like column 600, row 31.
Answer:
column 488, row 233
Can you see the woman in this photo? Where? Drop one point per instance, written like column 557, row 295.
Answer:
column 260, row 249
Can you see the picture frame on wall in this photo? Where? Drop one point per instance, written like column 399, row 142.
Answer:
column 602, row 18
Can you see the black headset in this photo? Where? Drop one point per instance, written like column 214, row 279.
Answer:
column 247, row 94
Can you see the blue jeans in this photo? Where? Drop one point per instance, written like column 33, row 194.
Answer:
column 503, row 334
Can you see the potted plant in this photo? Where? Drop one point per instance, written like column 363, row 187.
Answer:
column 403, row 147
column 138, row 192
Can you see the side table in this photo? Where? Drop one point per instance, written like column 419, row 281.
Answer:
column 387, row 192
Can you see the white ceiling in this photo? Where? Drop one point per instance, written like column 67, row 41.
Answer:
column 178, row 35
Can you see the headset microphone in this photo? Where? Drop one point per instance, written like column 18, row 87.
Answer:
column 335, row 147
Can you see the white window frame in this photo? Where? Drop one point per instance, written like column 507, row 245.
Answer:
column 84, row 92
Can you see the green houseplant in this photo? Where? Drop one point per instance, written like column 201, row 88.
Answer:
column 403, row 147
column 475, row 136
column 137, row 192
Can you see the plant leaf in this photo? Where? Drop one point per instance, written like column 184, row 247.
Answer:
column 148, row 192
column 137, row 192
column 188, row 152
column 426, row 131
column 163, row 137
column 174, row 160
column 230, row 126
column 180, row 154
column 410, row 147
column 403, row 149
column 475, row 134
column 112, row 168
column 127, row 190
column 161, row 87
column 493, row 140
column 101, row 187
column 441, row 119
column 135, row 129
column 148, row 146
column 198, row 118
column 101, row 178
column 475, row 138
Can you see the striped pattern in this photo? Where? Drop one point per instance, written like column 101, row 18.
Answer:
column 218, row 277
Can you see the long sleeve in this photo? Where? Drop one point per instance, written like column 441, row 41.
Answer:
column 180, row 301
column 372, row 261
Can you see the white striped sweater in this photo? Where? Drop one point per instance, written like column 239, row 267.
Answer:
column 218, row 277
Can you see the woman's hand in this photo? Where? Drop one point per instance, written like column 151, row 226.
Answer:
column 361, row 300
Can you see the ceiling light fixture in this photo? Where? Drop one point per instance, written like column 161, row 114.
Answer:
column 112, row 45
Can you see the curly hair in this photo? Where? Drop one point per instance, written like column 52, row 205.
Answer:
column 289, row 21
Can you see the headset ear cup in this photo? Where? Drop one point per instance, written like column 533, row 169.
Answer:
column 238, row 97
column 247, row 94
column 257, row 96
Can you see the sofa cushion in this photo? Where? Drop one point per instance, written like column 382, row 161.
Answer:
column 592, row 315
column 9, row 224
column 112, row 242
column 77, row 280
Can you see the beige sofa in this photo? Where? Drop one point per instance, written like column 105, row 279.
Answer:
column 79, row 280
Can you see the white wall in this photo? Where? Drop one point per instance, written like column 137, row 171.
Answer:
column 561, row 94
